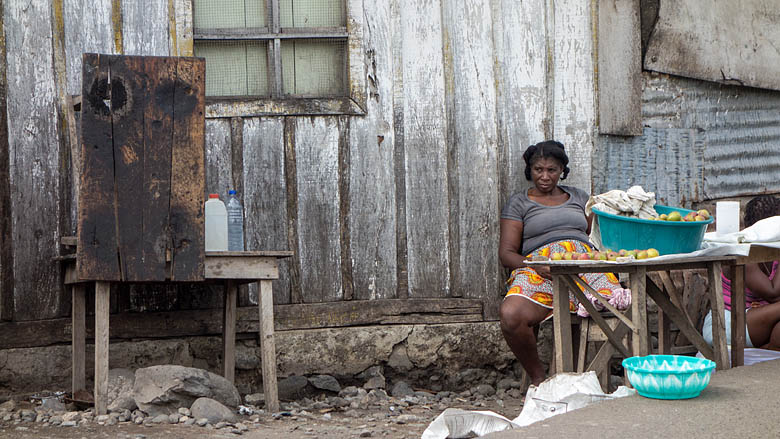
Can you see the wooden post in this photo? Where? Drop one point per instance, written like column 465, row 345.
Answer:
column 78, row 335
column 562, row 325
column 720, row 350
column 102, row 304
column 638, row 281
column 229, row 331
column 268, row 346
column 738, row 316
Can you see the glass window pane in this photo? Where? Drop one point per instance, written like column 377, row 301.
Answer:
column 234, row 68
column 313, row 13
column 222, row 14
column 314, row 67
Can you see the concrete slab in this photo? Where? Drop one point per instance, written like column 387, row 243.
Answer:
column 740, row 402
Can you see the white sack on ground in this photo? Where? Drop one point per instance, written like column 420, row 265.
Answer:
column 560, row 394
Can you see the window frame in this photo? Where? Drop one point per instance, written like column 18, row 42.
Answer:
column 354, row 103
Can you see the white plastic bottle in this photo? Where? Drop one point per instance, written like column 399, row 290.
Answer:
column 235, row 223
column 216, row 224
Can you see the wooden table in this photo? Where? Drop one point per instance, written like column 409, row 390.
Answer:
column 228, row 268
column 758, row 254
column 668, row 299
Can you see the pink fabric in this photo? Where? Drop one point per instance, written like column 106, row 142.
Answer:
column 620, row 299
column 750, row 297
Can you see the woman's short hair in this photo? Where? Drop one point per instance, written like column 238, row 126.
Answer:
column 760, row 207
column 546, row 149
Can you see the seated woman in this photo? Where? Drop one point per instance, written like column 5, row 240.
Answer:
column 762, row 289
column 544, row 219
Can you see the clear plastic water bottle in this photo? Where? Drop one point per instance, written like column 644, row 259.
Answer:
column 235, row 223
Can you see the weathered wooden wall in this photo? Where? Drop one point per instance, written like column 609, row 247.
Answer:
column 402, row 202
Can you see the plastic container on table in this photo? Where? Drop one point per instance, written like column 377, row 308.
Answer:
column 216, row 224
column 668, row 237
column 235, row 214
column 668, row 376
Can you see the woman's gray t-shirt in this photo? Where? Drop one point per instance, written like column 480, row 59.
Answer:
column 545, row 224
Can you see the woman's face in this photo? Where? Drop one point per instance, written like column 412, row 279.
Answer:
column 545, row 172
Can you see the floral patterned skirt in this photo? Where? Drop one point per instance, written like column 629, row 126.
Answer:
column 525, row 282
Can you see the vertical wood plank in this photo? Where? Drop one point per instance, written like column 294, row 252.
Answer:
column 78, row 338
column 88, row 28
column 521, row 62
column 619, row 68
column 218, row 158
column 183, row 27
column 738, row 308
column 319, row 250
column 158, row 138
column 573, row 89
column 188, row 175
column 268, row 346
column 639, row 338
column 399, row 152
column 291, row 181
column 265, row 196
column 371, row 173
column 128, row 91
column 145, row 28
column 229, row 331
column 34, row 159
column 98, row 243
column 474, row 180
column 425, row 134
column 719, row 346
column 102, row 303
column 562, row 326
column 6, row 221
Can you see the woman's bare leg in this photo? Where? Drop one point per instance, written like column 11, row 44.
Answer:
column 774, row 339
column 761, row 323
column 518, row 317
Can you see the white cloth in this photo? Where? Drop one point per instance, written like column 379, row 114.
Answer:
column 634, row 202
column 766, row 230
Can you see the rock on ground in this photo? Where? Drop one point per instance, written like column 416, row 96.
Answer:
column 163, row 389
column 213, row 411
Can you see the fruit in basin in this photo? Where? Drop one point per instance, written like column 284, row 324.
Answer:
column 704, row 213
column 674, row 216
column 652, row 253
column 699, row 218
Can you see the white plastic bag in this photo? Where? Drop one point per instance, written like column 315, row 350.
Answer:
column 560, row 394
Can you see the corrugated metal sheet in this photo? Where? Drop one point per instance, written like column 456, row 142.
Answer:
column 701, row 141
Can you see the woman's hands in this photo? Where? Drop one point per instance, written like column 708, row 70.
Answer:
column 759, row 283
column 543, row 270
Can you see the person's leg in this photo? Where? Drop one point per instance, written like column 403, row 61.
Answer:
column 518, row 317
column 774, row 339
column 761, row 323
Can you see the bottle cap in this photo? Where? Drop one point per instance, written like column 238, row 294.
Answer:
column 231, row 192
column 213, row 195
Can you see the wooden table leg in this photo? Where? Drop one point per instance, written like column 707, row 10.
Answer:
column 229, row 330
column 102, row 304
column 738, row 308
column 720, row 350
column 268, row 346
column 78, row 338
column 638, row 281
column 562, row 326
column 664, row 334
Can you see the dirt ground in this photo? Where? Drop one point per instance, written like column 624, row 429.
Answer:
column 381, row 422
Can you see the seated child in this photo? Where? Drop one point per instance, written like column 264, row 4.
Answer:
column 762, row 289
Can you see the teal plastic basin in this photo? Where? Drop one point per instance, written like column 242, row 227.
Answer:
column 668, row 376
column 668, row 237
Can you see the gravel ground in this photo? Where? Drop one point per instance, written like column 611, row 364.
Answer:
column 355, row 413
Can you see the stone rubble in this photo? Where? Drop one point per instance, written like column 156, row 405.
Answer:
column 320, row 398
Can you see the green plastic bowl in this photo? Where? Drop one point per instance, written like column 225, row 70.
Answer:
column 668, row 376
column 668, row 237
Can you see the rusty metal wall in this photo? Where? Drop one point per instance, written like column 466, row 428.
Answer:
column 701, row 141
